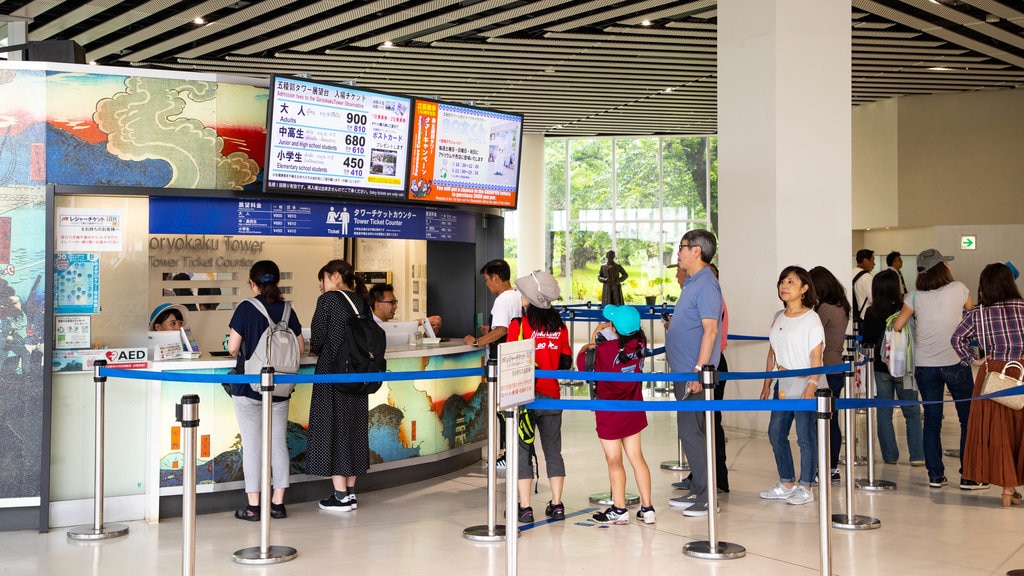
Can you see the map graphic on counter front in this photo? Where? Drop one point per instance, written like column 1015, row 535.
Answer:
column 337, row 140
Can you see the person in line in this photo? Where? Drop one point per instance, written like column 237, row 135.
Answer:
column 721, row 468
column 797, row 339
column 862, row 283
column 938, row 303
column 995, row 433
column 612, row 275
column 338, row 436
column 167, row 317
column 507, row 306
column 833, row 310
column 894, row 260
column 381, row 299
column 886, row 301
column 690, row 343
column 247, row 326
column 544, row 325
column 620, row 431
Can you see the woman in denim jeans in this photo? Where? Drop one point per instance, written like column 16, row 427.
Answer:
column 938, row 304
column 886, row 301
column 797, row 339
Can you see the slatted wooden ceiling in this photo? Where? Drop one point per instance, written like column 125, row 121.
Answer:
column 577, row 67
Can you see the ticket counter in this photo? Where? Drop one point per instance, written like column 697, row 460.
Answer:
column 412, row 422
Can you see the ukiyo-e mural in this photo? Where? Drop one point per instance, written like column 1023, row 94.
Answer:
column 108, row 130
column 22, row 286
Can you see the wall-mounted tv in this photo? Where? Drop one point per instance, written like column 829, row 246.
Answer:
column 464, row 155
column 336, row 140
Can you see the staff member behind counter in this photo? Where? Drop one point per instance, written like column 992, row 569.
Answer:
column 167, row 317
column 384, row 304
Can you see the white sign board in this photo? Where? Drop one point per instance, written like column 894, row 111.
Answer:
column 515, row 373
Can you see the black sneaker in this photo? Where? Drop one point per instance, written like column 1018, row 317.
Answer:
column 500, row 462
column 645, row 514
column 972, row 485
column 555, row 511
column 937, row 482
column 277, row 511
column 612, row 515
column 350, row 499
column 836, row 478
column 333, row 504
column 526, row 515
column 248, row 513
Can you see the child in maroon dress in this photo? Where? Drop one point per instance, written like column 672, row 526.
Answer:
column 620, row 346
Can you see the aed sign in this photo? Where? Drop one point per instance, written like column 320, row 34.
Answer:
column 126, row 358
column 968, row 242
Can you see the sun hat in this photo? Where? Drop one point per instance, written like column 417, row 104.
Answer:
column 625, row 319
column 161, row 308
column 540, row 288
column 929, row 258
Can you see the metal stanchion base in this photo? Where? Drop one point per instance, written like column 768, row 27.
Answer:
column 952, row 453
column 90, row 533
column 855, row 522
column 483, row 534
column 724, row 550
column 675, row 465
column 274, row 555
column 876, row 486
column 1016, row 572
column 605, row 498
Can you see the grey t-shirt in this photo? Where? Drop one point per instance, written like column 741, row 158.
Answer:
column 937, row 313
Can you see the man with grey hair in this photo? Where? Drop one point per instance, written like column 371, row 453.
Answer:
column 692, row 342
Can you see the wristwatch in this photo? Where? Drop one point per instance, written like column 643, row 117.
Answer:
column 474, row 342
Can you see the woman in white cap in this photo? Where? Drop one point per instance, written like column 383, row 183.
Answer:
column 543, row 324
column 167, row 317
column 622, row 352
column 938, row 304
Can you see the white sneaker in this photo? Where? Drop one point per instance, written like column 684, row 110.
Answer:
column 646, row 515
column 801, row 495
column 683, row 502
column 778, row 492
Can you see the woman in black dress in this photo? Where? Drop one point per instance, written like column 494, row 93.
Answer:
column 339, row 444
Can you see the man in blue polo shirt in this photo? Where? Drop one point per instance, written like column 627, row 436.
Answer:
column 691, row 342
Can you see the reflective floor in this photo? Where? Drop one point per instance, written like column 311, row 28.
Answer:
column 417, row 529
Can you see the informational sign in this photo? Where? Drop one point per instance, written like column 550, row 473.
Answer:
column 127, row 358
column 336, row 140
column 464, row 155
column 73, row 332
column 252, row 216
column 89, row 230
column 515, row 373
column 76, row 283
column 968, row 242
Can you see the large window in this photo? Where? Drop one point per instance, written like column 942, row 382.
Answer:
column 636, row 196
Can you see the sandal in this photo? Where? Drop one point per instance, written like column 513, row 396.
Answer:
column 277, row 511
column 248, row 513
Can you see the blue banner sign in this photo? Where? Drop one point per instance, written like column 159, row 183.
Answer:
column 263, row 217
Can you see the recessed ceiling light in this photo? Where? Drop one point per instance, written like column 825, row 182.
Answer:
column 387, row 44
column 669, row 89
column 940, row 69
column 645, row 23
column 199, row 21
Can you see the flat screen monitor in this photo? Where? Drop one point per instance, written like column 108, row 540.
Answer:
column 464, row 155
column 336, row 140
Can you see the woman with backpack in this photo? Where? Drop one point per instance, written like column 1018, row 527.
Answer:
column 622, row 351
column 886, row 303
column 544, row 325
column 248, row 325
column 338, row 438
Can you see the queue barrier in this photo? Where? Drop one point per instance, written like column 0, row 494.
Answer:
column 822, row 405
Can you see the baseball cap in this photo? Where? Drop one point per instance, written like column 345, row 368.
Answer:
column 625, row 319
column 929, row 258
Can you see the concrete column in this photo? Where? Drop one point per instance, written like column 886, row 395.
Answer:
column 17, row 33
column 530, row 212
column 784, row 150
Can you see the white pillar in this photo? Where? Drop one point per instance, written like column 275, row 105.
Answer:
column 17, row 33
column 784, row 156
column 530, row 212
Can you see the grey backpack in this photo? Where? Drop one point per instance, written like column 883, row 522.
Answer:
column 277, row 347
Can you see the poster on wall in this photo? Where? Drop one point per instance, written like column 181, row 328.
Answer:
column 89, row 230
column 73, row 332
column 76, row 283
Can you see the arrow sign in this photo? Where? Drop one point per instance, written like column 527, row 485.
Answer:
column 968, row 242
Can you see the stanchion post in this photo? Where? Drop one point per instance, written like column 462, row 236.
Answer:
column 850, row 521
column 492, row 531
column 512, row 490
column 824, row 417
column 712, row 549
column 187, row 413
column 870, row 484
column 98, row 531
column 265, row 553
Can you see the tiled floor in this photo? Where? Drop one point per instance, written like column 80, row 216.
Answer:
column 417, row 529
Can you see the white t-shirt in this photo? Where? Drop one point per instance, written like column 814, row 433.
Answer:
column 793, row 339
column 861, row 291
column 937, row 313
column 508, row 305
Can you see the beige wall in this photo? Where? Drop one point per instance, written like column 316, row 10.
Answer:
column 875, row 165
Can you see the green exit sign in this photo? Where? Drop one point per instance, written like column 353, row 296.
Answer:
column 968, row 242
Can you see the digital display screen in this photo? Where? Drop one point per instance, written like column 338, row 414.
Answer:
column 336, row 140
column 464, row 155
